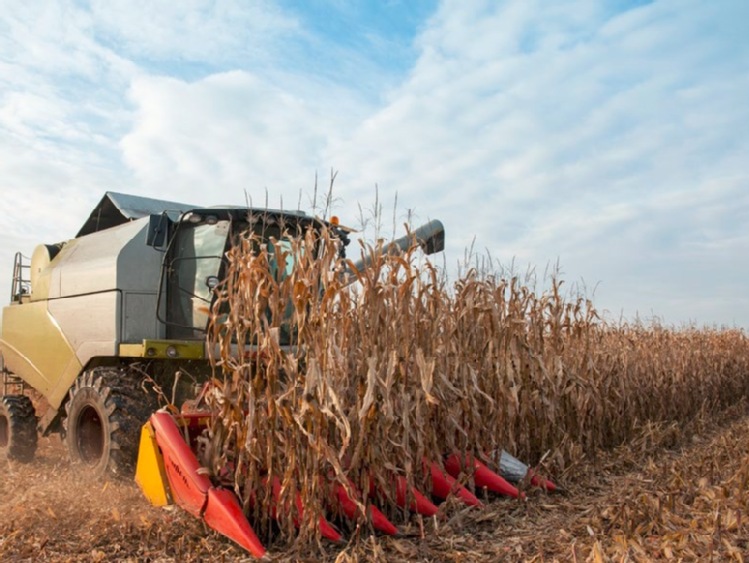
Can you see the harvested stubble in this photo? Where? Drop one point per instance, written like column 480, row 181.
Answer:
column 400, row 367
column 676, row 491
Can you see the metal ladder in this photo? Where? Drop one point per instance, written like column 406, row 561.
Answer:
column 21, row 285
column 12, row 383
column 19, row 288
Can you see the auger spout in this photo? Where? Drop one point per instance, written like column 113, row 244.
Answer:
column 430, row 237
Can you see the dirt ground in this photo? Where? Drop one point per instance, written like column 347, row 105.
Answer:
column 675, row 494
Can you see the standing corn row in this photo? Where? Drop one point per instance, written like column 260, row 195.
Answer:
column 400, row 367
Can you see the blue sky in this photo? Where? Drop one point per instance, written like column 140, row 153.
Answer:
column 610, row 137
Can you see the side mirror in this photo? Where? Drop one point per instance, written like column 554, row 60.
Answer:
column 158, row 231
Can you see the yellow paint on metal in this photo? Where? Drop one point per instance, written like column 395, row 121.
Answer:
column 165, row 349
column 35, row 348
column 131, row 350
column 40, row 273
column 149, row 472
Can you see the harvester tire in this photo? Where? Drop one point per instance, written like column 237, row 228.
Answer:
column 104, row 414
column 17, row 428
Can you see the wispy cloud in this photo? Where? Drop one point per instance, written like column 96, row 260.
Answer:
column 590, row 136
column 215, row 33
column 224, row 134
column 612, row 137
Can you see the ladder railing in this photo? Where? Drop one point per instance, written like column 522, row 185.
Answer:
column 12, row 384
column 21, row 284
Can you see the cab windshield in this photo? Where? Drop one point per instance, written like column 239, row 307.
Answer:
column 197, row 262
column 197, row 257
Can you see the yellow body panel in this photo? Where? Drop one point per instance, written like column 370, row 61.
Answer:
column 41, row 272
column 180, row 349
column 149, row 472
column 34, row 347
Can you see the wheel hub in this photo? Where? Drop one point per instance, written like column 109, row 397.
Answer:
column 91, row 436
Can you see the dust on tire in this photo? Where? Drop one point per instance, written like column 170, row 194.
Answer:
column 18, row 437
column 104, row 414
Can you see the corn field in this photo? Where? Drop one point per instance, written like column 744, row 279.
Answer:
column 321, row 381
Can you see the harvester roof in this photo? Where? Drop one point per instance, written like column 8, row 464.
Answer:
column 116, row 208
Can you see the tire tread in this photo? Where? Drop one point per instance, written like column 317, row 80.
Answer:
column 22, row 428
column 127, row 406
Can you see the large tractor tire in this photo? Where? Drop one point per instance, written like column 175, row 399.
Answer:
column 17, row 428
column 104, row 414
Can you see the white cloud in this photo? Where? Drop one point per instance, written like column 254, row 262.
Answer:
column 210, row 31
column 615, row 141
column 227, row 133
column 537, row 132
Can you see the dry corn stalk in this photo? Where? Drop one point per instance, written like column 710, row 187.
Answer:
column 319, row 381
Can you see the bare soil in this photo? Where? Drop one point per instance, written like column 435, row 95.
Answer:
column 673, row 494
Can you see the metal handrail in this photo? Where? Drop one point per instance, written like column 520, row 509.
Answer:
column 12, row 384
column 20, row 285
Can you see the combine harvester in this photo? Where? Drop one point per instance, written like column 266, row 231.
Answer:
column 97, row 322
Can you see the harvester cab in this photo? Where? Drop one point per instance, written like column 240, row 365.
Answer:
column 195, row 248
